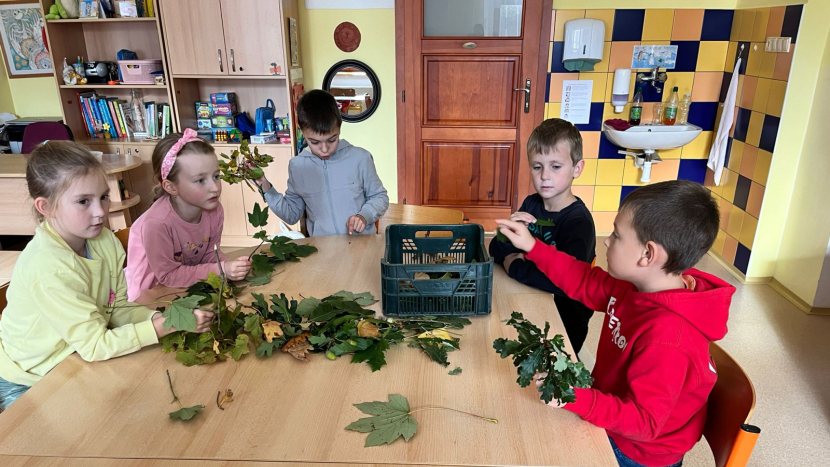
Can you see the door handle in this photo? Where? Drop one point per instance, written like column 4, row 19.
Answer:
column 233, row 65
column 526, row 90
column 221, row 69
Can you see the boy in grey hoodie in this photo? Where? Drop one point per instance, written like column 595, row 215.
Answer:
column 335, row 183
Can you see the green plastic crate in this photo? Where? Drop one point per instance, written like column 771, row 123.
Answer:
column 410, row 249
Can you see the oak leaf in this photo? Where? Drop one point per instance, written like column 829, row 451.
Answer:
column 298, row 346
column 271, row 329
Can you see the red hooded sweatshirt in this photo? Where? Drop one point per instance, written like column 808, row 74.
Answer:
column 653, row 373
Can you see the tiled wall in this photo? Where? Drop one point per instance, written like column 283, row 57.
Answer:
column 703, row 40
column 762, row 83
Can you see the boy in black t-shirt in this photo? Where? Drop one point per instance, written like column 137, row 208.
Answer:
column 554, row 152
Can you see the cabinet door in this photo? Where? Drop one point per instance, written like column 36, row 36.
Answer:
column 141, row 179
column 193, row 35
column 277, row 174
column 253, row 37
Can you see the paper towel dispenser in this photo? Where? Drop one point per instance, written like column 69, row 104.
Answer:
column 584, row 40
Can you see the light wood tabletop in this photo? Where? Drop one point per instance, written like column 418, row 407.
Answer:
column 14, row 165
column 286, row 410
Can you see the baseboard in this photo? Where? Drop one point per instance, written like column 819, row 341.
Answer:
column 737, row 273
column 797, row 301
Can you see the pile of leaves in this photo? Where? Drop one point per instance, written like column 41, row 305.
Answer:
column 534, row 228
column 280, row 249
column 534, row 353
column 335, row 325
column 243, row 165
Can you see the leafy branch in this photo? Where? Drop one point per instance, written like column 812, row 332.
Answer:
column 184, row 413
column 244, row 166
column 534, row 353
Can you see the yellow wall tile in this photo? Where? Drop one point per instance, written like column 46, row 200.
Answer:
column 717, row 247
column 589, row 173
column 775, row 103
column 657, row 24
column 748, row 228
column 756, row 124
column 747, row 25
column 729, row 179
column 607, row 17
column 767, row 66
column 712, row 55
column 736, row 155
column 762, row 89
column 607, row 198
column 610, row 171
column 718, row 189
column 552, row 110
column 561, row 17
column 608, row 111
column 550, row 56
column 604, row 222
column 753, row 63
column 736, row 221
column 759, row 30
column 598, row 89
column 762, row 163
column 699, row 147
column 731, row 53
column 655, row 42
column 682, row 79
column 737, row 18
column 602, row 65
column 670, row 153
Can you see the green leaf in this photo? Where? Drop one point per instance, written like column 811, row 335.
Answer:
column 545, row 223
column 258, row 280
column 256, row 172
column 305, row 250
column 319, row 340
column 307, row 306
column 186, row 413
column 259, row 301
column 179, row 314
column 261, row 235
column 259, row 217
column 391, row 420
column 561, row 363
column 373, row 355
column 214, row 280
column 436, row 350
column 456, row 371
column 240, row 348
column 267, row 348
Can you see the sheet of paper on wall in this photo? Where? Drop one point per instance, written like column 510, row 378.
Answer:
column 576, row 101
column 650, row 56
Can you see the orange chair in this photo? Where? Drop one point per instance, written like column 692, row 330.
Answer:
column 730, row 406
column 123, row 236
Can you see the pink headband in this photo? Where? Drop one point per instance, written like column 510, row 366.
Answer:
column 170, row 158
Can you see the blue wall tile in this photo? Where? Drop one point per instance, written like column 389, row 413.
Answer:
column 692, row 169
column 728, row 152
column 547, row 88
column 628, row 25
column 595, row 119
column 769, row 133
column 742, row 192
column 556, row 65
column 743, row 55
column 686, row 55
column 626, row 190
column 742, row 124
column 742, row 258
column 717, row 25
column 608, row 150
column 792, row 19
column 650, row 93
column 703, row 114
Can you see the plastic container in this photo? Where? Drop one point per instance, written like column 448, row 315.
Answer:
column 411, row 249
column 636, row 113
column 138, row 71
column 670, row 113
column 685, row 105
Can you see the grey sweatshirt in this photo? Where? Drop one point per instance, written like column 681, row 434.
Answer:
column 331, row 191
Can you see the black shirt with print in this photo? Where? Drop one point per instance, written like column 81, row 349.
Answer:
column 574, row 234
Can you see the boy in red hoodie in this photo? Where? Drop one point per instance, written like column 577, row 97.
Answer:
column 653, row 373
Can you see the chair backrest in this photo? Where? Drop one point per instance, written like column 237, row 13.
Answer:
column 729, row 408
column 3, row 301
column 123, row 236
column 410, row 214
column 38, row 132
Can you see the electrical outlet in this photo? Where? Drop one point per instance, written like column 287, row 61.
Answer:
column 778, row 44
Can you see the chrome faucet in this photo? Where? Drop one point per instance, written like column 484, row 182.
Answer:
column 655, row 77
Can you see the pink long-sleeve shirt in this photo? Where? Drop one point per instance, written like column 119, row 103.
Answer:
column 166, row 250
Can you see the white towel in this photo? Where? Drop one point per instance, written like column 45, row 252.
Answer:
column 717, row 154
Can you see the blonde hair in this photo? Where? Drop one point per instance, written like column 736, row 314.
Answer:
column 54, row 165
column 163, row 147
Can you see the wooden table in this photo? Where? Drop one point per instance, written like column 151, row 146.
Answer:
column 286, row 410
column 16, row 206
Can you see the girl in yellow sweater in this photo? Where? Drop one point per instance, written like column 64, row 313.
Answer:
column 68, row 292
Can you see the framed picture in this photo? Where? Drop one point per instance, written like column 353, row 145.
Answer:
column 24, row 40
column 294, row 42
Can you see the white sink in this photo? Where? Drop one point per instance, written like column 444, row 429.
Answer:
column 652, row 138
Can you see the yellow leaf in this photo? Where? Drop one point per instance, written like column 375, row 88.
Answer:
column 271, row 329
column 367, row 329
column 421, row 276
column 436, row 334
column 216, row 347
column 226, row 399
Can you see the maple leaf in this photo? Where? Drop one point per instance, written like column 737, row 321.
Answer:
column 186, row 413
column 179, row 314
column 373, row 355
column 305, row 250
column 307, row 306
column 258, row 280
column 259, row 217
column 456, row 371
column 365, row 328
column 265, row 349
column 271, row 329
column 390, row 421
column 240, row 347
column 214, row 281
column 298, row 346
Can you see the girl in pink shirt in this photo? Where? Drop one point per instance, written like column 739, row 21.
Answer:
column 172, row 243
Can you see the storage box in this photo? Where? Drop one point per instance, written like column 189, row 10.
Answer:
column 203, row 110
column 138, row 71
column 203, row 124
column 224, row 109
column 205, row 134
column 263, row 139
column 223, row 121
column 222, row 98
column 454, row 271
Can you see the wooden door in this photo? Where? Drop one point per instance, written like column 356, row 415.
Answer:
column 194, row 38
column 462, row 125
column 253, row 37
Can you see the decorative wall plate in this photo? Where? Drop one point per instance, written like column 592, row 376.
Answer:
column 347, row 37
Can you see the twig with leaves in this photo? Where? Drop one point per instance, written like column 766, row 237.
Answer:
column 184, row 413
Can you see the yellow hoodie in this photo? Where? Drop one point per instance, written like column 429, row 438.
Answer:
column 60, row 303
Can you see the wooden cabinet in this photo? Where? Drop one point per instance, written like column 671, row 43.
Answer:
column 142, row 181
column 224, row 37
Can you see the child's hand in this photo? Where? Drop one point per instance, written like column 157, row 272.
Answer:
column 356, row 223
column 540, row 379
column 262, row 181
column 204, row 319
column 237, row 269
column 522, row 217
column 517, row 233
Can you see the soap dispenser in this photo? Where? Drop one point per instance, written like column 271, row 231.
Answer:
column 619, row 93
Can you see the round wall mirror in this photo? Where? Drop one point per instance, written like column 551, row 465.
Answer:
column 355, row 87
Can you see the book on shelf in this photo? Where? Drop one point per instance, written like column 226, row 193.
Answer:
column 110, row 117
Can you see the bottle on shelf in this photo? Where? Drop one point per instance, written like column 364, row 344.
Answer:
column 636, row 113
column 670, row 114
column 685, row 105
